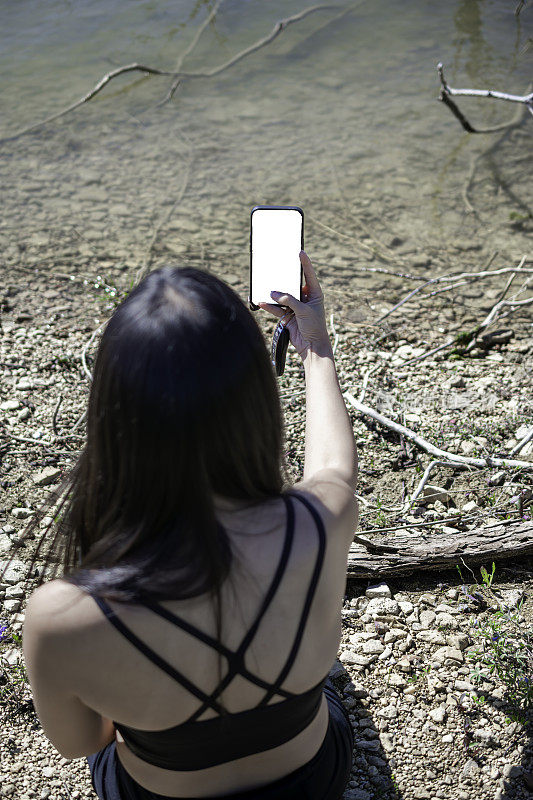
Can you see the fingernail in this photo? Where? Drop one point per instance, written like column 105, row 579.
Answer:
column 275, row 294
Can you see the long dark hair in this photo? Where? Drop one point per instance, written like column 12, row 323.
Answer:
column 183, row 405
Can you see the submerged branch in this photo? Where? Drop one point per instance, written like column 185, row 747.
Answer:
column 447, row 92
column 179, row 75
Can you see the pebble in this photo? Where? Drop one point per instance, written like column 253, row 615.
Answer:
column 21, row 513
column 378, row 590
column 448, row 654
column 438, row 714
column 10, row 405
column 382, row 605
column 46, row 476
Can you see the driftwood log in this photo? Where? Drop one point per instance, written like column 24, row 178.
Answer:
column 408, row 552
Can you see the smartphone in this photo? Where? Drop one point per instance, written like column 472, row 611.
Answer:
column 276, row 238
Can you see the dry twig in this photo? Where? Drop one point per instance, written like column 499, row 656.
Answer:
column 444, row 455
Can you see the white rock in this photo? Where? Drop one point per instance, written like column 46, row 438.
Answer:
column 447, row 738
column 12, row 657
column 406, row 607
column 5, row 544
column 387, row 742
column 378, row 590
column 21, row 513
column 10, row 605
column 10, row 405
column 470, row 506
column 15, row 572
column 373, row 647
column 355, row 659
column 438, row 714
column 385, row 654
column 380, row 606
column 446, row 621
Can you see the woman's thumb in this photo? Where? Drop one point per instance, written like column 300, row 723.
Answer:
column 287, row 300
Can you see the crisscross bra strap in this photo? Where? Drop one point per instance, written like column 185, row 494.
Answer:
column 238, row 666
column 152, row 655
column 275, row 687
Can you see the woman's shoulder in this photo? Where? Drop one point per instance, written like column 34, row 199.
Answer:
column 332, row 497
column 56, row 607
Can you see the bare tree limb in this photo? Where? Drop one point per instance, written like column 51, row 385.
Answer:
column 458, row 276
column 430, row 448
column 179, row 74
column 447, row 92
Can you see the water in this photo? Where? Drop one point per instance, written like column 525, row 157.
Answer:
column 338, row 115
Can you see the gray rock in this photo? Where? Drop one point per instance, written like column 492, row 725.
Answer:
column 431, row 637
column 432, row 494
column 458, row 641
column 380, row 606
column 355, row 794
column 497, row 479
column 337, row 670
column 448, row 655
column 427, row 618
column 15, row 572
column 46, row 476
column 378, row 590
column 512, row 771
column 470, row 769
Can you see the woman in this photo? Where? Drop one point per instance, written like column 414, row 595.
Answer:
column 187, row 647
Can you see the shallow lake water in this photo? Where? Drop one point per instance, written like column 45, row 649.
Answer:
column 338, row 114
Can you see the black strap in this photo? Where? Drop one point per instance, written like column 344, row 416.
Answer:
column 235, row 659
column 274, row 689
column 239, row 665
column 234, row 662
column 153, row 656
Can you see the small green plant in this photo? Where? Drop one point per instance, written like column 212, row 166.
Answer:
column 504, row 646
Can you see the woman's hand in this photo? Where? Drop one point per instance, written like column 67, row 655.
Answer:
column 307, row 326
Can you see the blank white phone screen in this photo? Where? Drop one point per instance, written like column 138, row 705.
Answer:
column 276, row 245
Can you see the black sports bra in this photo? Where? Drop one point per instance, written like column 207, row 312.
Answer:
column 198, row 744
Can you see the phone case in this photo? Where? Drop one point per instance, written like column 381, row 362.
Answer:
column 253, row 307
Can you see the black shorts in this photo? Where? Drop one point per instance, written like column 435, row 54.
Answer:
column 322, row 778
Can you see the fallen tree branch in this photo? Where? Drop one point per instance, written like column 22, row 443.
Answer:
column 522, row 443
column 425, row 477
column 430, row 448
column 178, row 75
column 447, row 92
column 474, row 276
column 404, row 554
